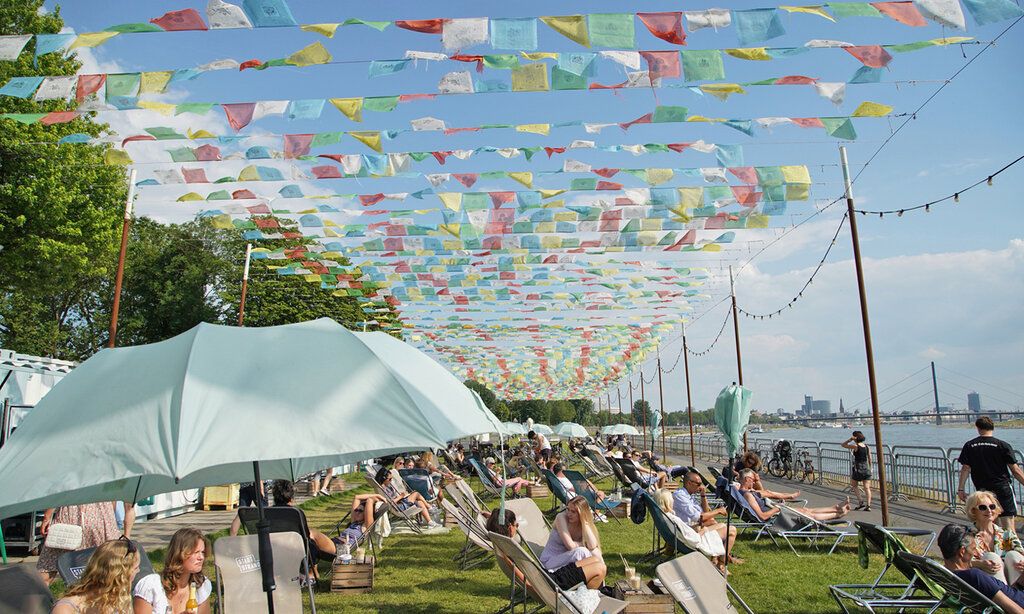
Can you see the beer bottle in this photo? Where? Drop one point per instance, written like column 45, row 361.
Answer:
column 191, row 606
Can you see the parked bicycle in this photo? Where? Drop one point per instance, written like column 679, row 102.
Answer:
column 781, row 464
column 805, row 466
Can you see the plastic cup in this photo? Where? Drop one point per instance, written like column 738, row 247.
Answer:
column 635, row 582
column 360, row 555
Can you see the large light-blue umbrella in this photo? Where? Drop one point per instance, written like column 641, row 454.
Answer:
column 732, row 413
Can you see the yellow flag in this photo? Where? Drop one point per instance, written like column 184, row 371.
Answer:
column 555, row 204
column 798, row 191
column 656, row 176
column 551, row 242
column 722, row 91
column 951, row 40
column 184, row 198
column 548, row 193
column 351, row 107
column 249, row 173
column 370, row 139
column 222, row 221
column 566, row 216
column 530, row 78
column 573, row 27
column 810, row 10
column 691, row 198
column 452, row 229
column 310, row 55
column 452, row 200
column 154, row 82
column 328, row 222
column 544, row 129
column 795, row 174
column 200, row 134
column 325, row 29
column 91, row 39
column 651, row 224
column 312, row 278
column 159, row 107
column 750, row 53
column 701, row 118
column 712, row 247
column 757, row 220
column 523, row 177
column 116, row 157
column 872, row 109
column 544, row 227
column 539, row 55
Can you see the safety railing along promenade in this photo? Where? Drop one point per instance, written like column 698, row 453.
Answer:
column 921, row 473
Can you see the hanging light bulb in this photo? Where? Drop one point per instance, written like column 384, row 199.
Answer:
column 956, row 197
column 927, row 208
column 990, row 179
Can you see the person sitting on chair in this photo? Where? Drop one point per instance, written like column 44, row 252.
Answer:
column 106, row 583
column 168, row 591
column 1000, row 553
column 559, row 470
column 959, row 548
column 573, row 551
column 765, row 511
column 650, row 478
column 405, row 501
column 513, row 484
column 361, row 518
column 690, row 505
column 705, row 539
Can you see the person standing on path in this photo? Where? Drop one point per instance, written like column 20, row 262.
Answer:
column 990, row 463
column 860, row 472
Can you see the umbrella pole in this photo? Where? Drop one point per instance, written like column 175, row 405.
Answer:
column 739, row 356
column 265, row 551
column 661, row 401
column 245, row 285
column 119, row 277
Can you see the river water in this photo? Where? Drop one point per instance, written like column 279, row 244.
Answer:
column 952, row 436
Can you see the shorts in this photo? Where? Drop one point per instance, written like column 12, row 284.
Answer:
column 1004, row 494
column 247, row 496
column 568, row 576
column 546, row 454
column 405, row 504
column 860, row 473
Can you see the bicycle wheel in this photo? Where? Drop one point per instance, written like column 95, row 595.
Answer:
column 776, row 467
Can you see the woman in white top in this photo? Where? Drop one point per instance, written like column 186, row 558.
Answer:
column 168, row 591
column 106, row 584
column 706, row 539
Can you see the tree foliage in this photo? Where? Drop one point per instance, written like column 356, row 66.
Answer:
column 642, row 412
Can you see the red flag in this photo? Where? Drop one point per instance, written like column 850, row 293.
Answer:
column 59, row 117
column 296, row 145
column 678, row 147
column 450, row 131
column 553, row 150
column 427, row 26
column 466, row 179
column 662, row 63
column 795, row 80
column 903, row 12
column 746, row 174
column 176, row 21
column 643, row 119
column 608, row 185
column 666, row 26
column 501, row 198
column 260, row 209
column 608, row 173
column 479, row 59
column 746, row 194
column 207, row 153
column 807, row 122
column 326, row 172
column 243, row 195
column 250, row 64
column 239, row 114
column 440, row 156
column 89, row 84
column 367, row 200
column 194, row 175
column 874, row 56
column 137, row 137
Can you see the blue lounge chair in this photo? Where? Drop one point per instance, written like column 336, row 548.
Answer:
column 583, row 489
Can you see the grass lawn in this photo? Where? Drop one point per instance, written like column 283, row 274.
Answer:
column 416, row 574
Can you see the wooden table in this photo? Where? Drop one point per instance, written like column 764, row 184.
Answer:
column 644, row 600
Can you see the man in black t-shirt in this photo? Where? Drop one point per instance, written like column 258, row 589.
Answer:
column 990, row 463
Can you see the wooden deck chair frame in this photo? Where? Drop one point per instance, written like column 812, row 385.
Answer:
column 477, row 548
column 875, row 596
column 583, row 489
column 397, row 515
column 540, row 585
column 697, row 586
column 71, row 565
column 236, row 559
column 957, row 594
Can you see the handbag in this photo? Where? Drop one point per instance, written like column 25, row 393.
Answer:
column 64, row 536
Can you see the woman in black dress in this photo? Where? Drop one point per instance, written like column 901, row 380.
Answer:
column 860, row 473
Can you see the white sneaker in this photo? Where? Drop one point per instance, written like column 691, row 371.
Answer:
column 601, row 518
column 432, row 525
column 323, row 493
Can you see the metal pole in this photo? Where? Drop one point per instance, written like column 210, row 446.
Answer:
column 661, row 400
column 632, row 416
column 739, row 355
column 609, row 394
column 870, row 354
column 935, row 390
column 618, row 398
column 689, row 404
column 643, row 407
column 125, row 227
column 266, row 553
column 245, row 284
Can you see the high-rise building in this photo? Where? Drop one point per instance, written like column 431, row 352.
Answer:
column 842, row 410
column 822, row 408
column 808, row 406
column 974, row 402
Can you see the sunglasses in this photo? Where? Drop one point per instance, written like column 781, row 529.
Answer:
column 130, row 545
column 987, row 508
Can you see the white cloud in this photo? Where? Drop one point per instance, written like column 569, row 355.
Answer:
column 931, row 353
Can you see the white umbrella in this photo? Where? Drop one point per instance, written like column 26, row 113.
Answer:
column 619, row 429
column 200, row 408
column 512, row 428
column 543, row 429
column 571, row 429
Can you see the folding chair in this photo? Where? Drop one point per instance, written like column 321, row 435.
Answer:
column 368, row 530
column 534, row 528
column 583, row 489
column 490, row 487
column 631, row 474
column 22, row 591
column 913, row 593
column 464, row 497
column 477, row 548
column 240, row 582
column 559, row 496
column 663, row 529
column 71, row 565
column 600, row 463
column 697, row 586
column 406, row 516
column 539, row 584
column 956, row 593
column 419, row 480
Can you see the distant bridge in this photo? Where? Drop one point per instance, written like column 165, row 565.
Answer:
column 958, row 416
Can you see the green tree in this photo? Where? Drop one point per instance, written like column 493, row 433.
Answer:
column 486, row 395
column 533, row 408
column 584, row 411
column 502, row 411
column 642, row 411
column 60, row 206
column 561, row 411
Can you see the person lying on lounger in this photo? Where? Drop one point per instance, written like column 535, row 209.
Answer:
column 513, row 484
column 765, row 511
column 404, row 501
column 650, row 478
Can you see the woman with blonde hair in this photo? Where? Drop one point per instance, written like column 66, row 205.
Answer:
column 573, row 551
column 705, row 539
column 105, row 585
column 181, row 579
column 1001, row 551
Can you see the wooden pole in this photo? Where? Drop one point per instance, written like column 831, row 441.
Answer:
column 868, row 350
column 739, row 355
column 661, row 400
column 689, row 403
column 119, row 278
column 245, row 285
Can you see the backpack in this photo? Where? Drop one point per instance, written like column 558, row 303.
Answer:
column 638, row 507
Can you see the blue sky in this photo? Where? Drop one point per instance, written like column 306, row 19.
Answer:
column 946, row 285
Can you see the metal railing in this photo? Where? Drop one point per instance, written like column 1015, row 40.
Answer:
column 923, row 473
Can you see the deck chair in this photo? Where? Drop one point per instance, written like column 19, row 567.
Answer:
column 540, row 586
column 630, row 473
column 22, row 591
column 664, row 529
column 619, row 475
column 419, row 480
column 71, row 565
column 240, row 583
column 368, row 531
column 491, row 489
column 534, row 529
column 559, row 495
column 464, row 498
column 598, row 459
column 957, row 594
column 912, row 593
column 408, row 516
column 583, row 489
column 477, row 548
column 695, row 584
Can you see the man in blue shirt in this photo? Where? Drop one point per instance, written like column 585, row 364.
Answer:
column 959, row 547
column 690, row 504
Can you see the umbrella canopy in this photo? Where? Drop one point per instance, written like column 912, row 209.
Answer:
column 198, row 408
column 542, row 429
column 571, row 429
column 732, row 413
column 619, row 429
column 512, row 428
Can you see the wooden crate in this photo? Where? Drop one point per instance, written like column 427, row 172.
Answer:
column 645, row 600
column 535, row 491
column 354, row 578
column 337, row 485
column 225, row 496
column 303, row 489
column 621, row 510
column 672, row 486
